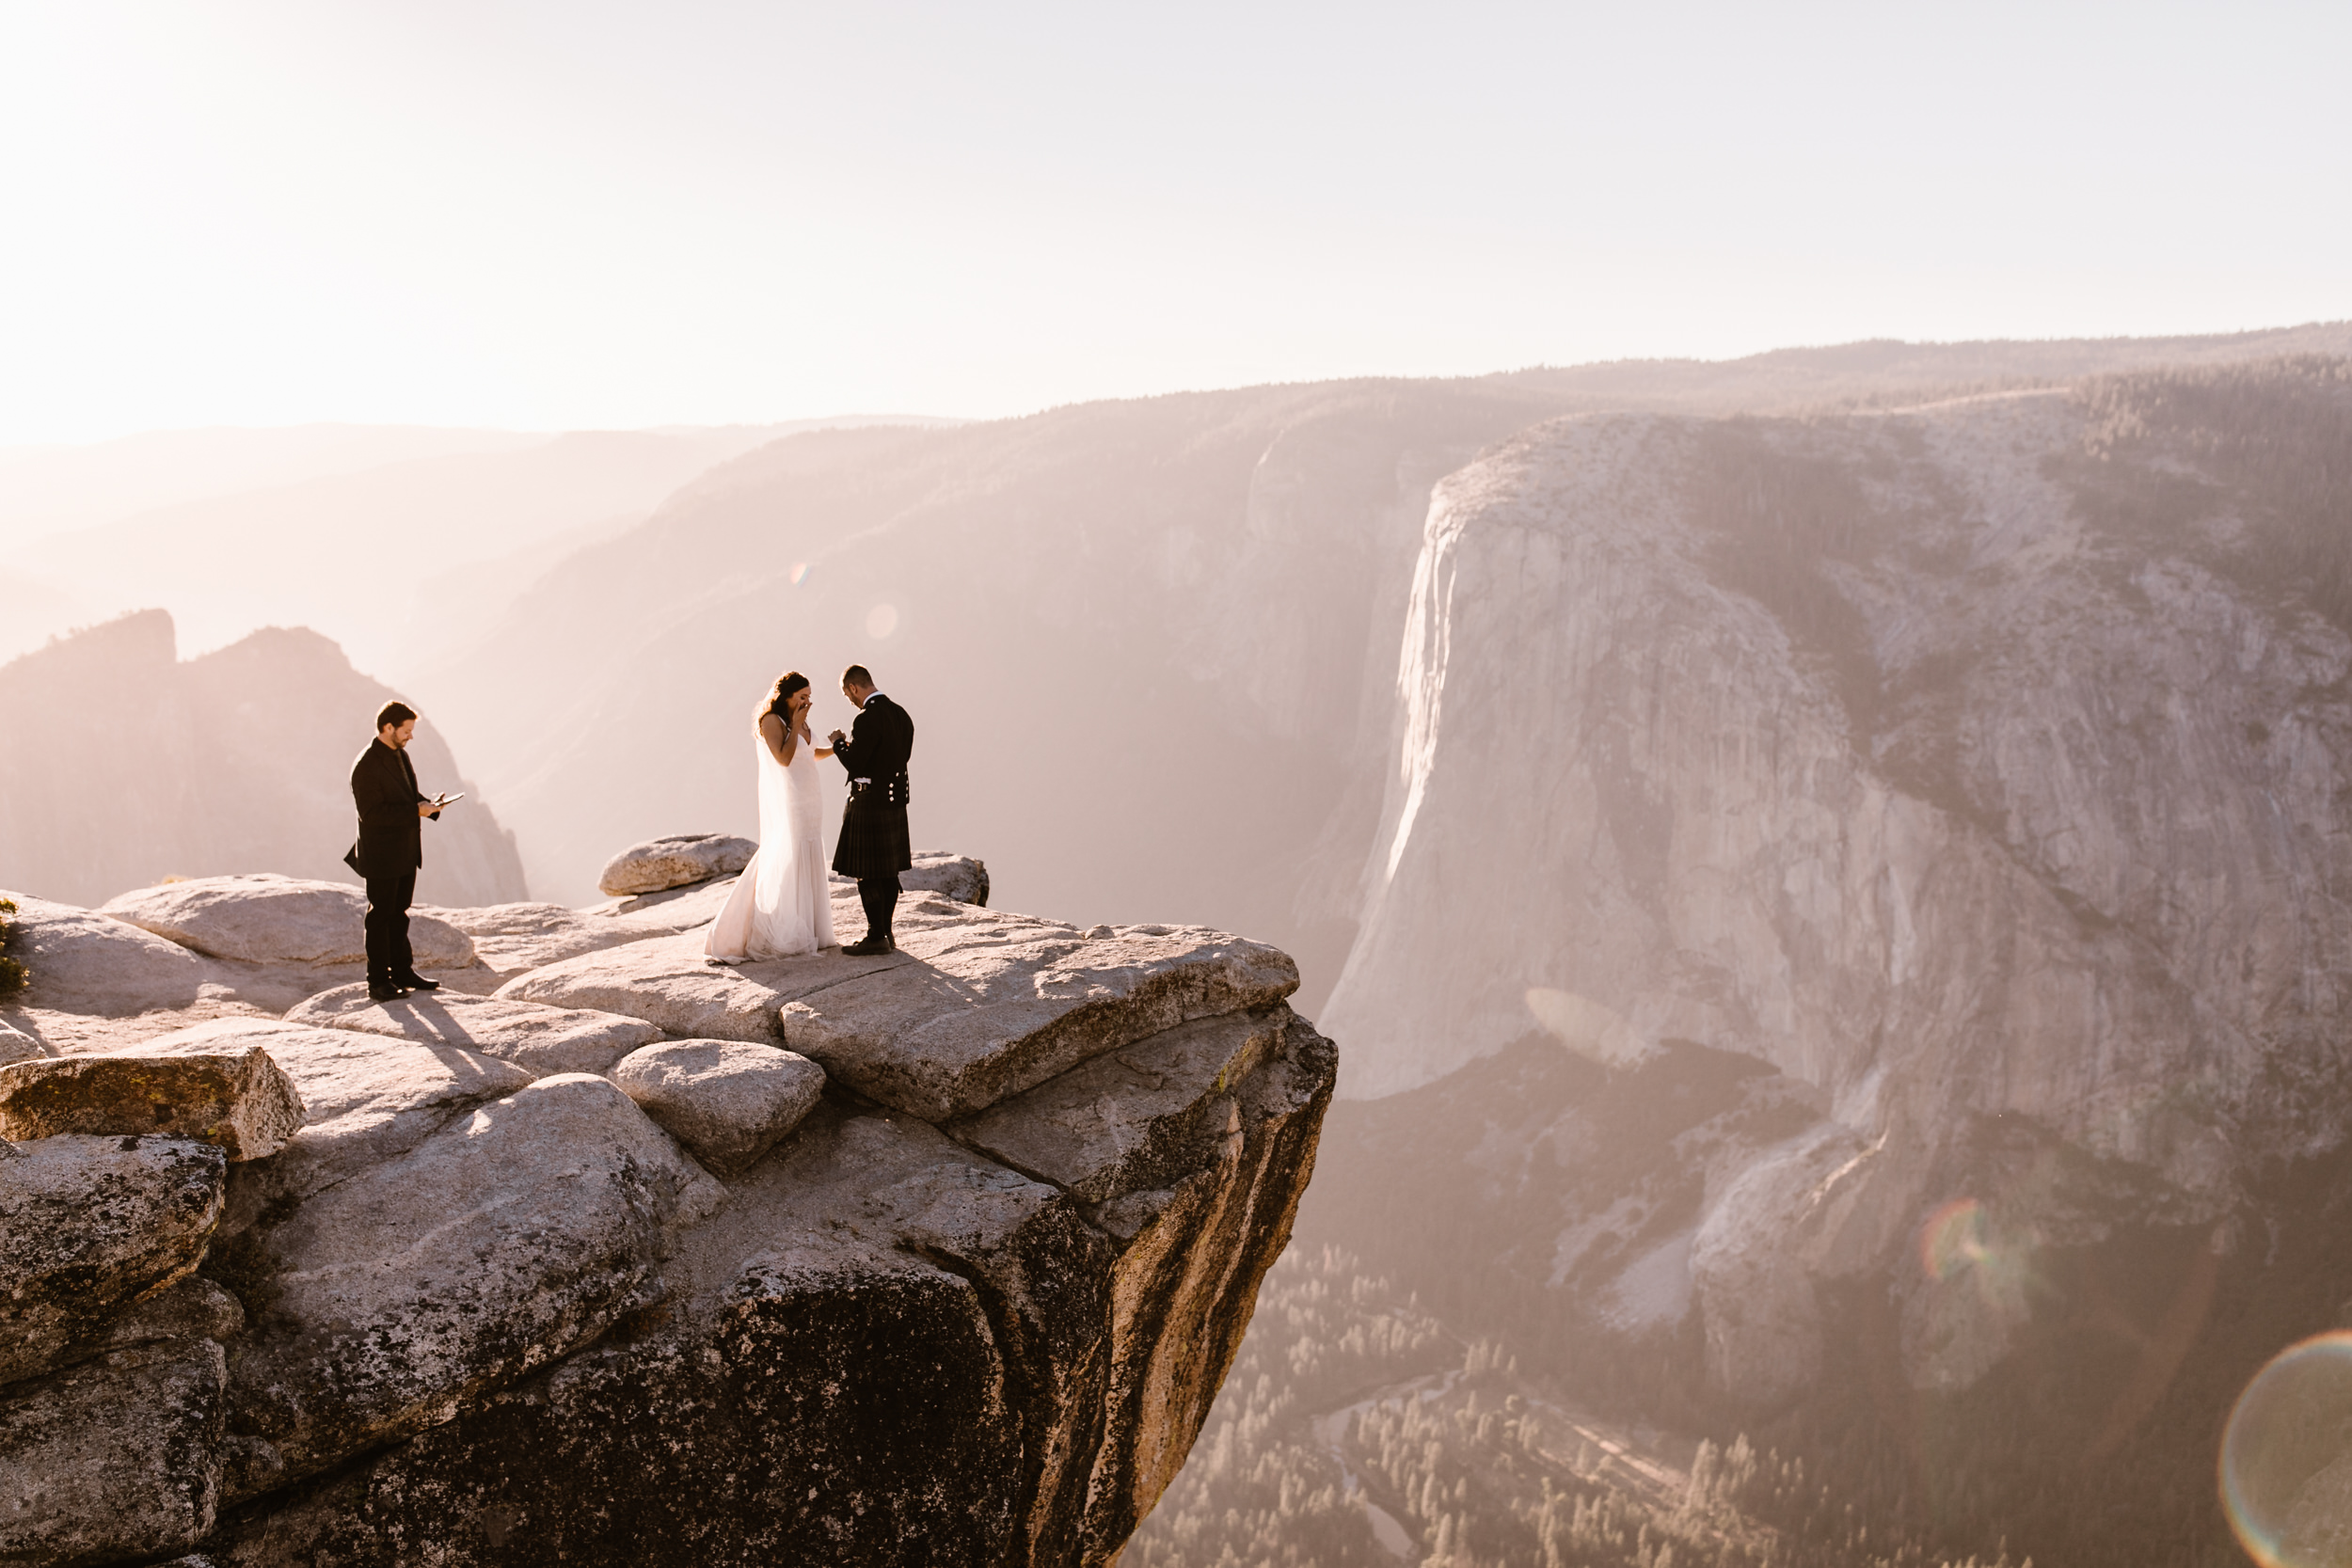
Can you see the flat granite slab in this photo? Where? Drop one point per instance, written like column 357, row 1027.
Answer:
column 510, row 939
column 366, row 1098
column 542, row 1039
column 976, row 1005
column 986, row 1004
column 1136, row 1117
column 667, row 982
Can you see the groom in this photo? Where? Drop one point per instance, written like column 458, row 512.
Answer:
column 874, row 846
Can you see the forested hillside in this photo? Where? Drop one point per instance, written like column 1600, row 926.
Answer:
column 1357, row 1432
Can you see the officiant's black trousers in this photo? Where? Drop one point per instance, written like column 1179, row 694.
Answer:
column 389, row 957
column 879, row 895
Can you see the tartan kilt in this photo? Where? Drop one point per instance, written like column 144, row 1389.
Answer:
column 874, row 842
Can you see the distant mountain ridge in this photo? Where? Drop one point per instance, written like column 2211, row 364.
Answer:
column 354, row 530
column 125, row 765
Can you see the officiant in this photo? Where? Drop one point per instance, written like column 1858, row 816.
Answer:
column 393, row 813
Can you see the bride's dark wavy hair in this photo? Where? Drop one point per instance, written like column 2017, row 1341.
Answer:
column 787, row 684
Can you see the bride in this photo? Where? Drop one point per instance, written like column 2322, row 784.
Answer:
column 783, row 902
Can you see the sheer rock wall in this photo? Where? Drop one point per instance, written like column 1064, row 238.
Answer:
column 1987, row 786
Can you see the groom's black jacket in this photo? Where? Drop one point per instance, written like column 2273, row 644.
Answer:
column 880, row 743
column 391, row 835
column 874, row 839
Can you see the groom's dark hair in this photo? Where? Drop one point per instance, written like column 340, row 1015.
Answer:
column 394, row 713
column 857, row 674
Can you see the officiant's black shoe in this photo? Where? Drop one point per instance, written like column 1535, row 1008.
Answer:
column 418, row 982
column 384, row 990
column 873, row 947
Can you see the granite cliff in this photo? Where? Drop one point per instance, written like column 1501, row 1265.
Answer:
column 604, row 1255
column 1922, row 863
column 1979, row 770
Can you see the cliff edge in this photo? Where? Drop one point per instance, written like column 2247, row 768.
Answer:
column 601, row 1254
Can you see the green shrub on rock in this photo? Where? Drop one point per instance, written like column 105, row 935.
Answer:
column 14, row 973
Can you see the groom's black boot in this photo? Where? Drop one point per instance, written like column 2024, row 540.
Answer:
column 880, row 895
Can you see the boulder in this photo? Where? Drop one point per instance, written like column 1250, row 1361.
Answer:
column 267, row 919
column 956, row 876
column 543, row 1039
column 81, row 962
column 117, row 1457
column 18, row 1046
column 659, row 863
column 668, row 982
column 368, row 1098
column 727, row 1101
column 89, row 1223
column 990, row 1004
column 496, row 1244
column 236, row 1098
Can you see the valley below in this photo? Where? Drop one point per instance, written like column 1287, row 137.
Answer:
column 1830, row 875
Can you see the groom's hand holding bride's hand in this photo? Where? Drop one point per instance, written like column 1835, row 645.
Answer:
column 837, row 737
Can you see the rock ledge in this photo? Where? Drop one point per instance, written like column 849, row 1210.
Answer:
column 938, row 1258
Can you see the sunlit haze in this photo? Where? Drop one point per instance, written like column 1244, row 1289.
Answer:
column 548, row 217
column 1604, row 814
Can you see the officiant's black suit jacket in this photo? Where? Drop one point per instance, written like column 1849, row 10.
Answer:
column 391, row 835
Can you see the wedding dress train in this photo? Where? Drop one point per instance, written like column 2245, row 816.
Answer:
column 783, row 902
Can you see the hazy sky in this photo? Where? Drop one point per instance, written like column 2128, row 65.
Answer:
column 546, row 215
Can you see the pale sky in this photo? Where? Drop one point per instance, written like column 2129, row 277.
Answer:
column 542, row 215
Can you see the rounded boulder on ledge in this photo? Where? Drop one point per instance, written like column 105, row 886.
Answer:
column 236, row 1098
column 264, row 918
column 660, row 863
column 728, row 1101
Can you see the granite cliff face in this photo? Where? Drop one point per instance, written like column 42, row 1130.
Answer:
column 934, row 1257
column 1975, row 774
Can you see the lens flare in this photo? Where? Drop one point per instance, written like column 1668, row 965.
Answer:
column 2286, row 1457
column 1953, row 1238
column 882, row 621
column 800, row 573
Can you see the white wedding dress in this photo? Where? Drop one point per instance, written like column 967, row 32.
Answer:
column 783, row 902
